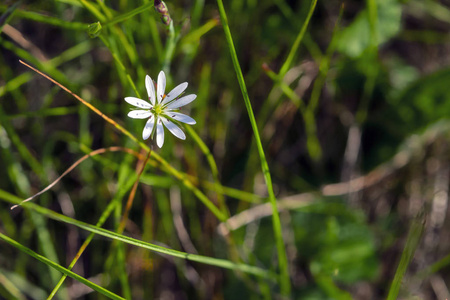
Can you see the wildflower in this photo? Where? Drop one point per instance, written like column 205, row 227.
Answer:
column 161, row 109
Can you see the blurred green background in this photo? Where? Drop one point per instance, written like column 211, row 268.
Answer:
column 355, row 129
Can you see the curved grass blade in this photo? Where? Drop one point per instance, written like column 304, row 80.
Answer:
column 73, row 166
column 285, row 282
column 226, row 264
column 59, row 268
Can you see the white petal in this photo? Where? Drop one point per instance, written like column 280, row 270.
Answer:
column 161, row 86
column 181, row 118
column 139, row 114
column 159, row 134
column 175, row 92
column 150, row 89
column 138, row 102
column 181, row 102
column 176, row 131
column 148, row 128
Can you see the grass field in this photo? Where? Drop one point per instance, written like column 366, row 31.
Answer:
column 307, row 157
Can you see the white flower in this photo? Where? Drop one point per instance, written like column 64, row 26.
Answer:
column 161, row 109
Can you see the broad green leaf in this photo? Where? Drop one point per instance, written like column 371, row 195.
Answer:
column 356, row 38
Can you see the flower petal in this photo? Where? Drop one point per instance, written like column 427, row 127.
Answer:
column 161, row 86
column 138, row 102
column 181, row 118
column 139, row 114
column 148, row 128
column 181, row 102
column 159, row 134
column 176, row 131
column 150, row 89
column 175, row 92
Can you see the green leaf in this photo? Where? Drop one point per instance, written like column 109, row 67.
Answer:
column 356, row 38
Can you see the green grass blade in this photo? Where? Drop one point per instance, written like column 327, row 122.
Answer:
column 285, row 282
column 59, row 268
column 129, row 14
column 33, row 16
column 412, row 241
column 12, row 292
column 212, row 165
column 298, row 40
column 171, row 42
column 226, row 264
column 19, row 286
column 440, row 264
column 106, row 213
column 93, row 10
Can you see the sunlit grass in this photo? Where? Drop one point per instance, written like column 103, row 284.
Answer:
column 265, row 198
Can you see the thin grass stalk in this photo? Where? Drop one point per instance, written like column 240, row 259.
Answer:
column 116, row 31
column 28, row 157
column 128, row 15
column 108, row 14
column 156, row 40
column 66, row 56
column 119, row 62
column 130, row 200
column 90, row 7
column 412, row 241
column 11, row 288
column 170, row 48
column 313, row 145
column 294, row 49
column 104, row 215
column 25, row 55
column 435, row 267
column 60, row 268
column 284, row 281
column 212, row 166
column 324, row 64
column 38, row 222
column 73, row 166
column 83, row 247
column 45, row 18
column 213, row 186
column 222, row 263
column 372, row 72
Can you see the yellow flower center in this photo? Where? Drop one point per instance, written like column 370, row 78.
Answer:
column 157, row 109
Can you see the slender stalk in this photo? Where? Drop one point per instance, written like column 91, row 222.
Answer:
column 73, row 166
column 213, row 167
column 222, row 263
column 119, row 62
column 83, row 247
column 128, row 15
column 60, row 268
column 170, row 47
column 132, row 194
column 297, row 41
column 285, row 283
column 412, row 241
